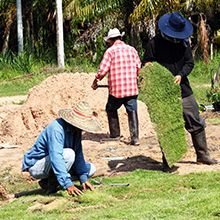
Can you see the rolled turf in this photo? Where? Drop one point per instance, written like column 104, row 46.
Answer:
column 163, row 99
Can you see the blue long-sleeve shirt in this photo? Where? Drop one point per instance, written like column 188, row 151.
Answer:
column 53, row 139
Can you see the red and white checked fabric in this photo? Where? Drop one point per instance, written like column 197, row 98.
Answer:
column 122, row 64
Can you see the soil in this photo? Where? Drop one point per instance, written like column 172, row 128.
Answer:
column 23, row 117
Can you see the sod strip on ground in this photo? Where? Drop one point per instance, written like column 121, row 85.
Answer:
column 163, row 100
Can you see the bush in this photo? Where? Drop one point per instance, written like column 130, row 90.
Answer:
column 163, row 99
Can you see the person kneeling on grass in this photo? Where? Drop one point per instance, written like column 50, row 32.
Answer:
column 56, row 158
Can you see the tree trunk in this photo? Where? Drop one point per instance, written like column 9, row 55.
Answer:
column 59, row 33
column 28, row 14
column 7, row 30
column 20, row 26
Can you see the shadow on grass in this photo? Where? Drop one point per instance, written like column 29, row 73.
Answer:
column 133, row 163
column 38, row 191
column 30, row 192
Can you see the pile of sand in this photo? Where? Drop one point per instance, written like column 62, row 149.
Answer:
column 22, row 126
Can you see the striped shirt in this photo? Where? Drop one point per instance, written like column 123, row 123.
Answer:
column 122, row 64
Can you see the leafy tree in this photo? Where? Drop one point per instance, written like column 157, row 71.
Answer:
column 87, row 21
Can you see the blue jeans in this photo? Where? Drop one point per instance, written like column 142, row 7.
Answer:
column 113, row 104
column 41, row 169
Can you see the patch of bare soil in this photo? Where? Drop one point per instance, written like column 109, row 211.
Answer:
column 21, row 124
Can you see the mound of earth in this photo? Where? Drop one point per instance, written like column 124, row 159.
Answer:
column 63, row 91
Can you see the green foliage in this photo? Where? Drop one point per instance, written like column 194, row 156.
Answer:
column 163, row 100
column 203, row 72
column 23, row 62
column 12, row 65
column 86, row 10
column 150, row 195
column 80, row 65
column 213, row 94
column 201, row 76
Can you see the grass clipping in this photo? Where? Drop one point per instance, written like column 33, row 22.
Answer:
column 163, row 99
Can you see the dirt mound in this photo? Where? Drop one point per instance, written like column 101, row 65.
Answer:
column 63, row 91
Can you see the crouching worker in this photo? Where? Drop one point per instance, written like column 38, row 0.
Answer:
column 56, row 158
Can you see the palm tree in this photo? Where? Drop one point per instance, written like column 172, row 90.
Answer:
column 19, row 26
column 59, row 32
column 89, row 9
column 7, row 15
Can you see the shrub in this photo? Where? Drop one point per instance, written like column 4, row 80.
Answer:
column 213, row 94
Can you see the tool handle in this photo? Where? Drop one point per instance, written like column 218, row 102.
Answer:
column 102, row 86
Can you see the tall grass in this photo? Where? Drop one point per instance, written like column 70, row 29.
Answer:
column 12, row 65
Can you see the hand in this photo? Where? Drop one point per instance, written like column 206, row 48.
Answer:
column 87, row 185
column 94, row 84
column 177, row 79
column 72, row 190
column 148, row 64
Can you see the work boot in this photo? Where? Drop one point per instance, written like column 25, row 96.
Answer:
column 200, row 145
column 114, row 127
column 133, row 127
column 43, row 183
column 50, row 184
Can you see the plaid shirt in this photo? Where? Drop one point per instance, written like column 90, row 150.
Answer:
column 123, row 64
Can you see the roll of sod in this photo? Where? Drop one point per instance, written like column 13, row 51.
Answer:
column 163, row 99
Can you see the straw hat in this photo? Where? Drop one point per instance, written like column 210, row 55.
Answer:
column 81, row 116
column 114, row 33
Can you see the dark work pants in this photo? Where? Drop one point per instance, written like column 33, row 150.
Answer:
column 193, row 121
column 113, row 104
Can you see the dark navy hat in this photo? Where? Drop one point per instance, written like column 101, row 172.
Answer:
column 175, row 25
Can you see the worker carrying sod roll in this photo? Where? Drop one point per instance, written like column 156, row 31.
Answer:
column 171, row 48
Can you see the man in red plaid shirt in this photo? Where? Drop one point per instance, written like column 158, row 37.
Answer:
column 122, row 64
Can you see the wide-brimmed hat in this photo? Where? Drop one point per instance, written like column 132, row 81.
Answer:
column 81, row 116
column 175, row 25
column 114, row 33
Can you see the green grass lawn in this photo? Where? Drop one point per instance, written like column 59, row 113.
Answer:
column 150, row 195
column 21, row 85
